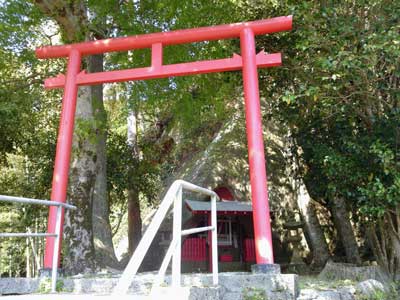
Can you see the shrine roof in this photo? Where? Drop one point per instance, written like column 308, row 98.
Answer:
column 222, row 206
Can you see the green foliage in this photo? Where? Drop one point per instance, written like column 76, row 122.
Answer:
column 185, row 112
column 28, row 118
column 45, row 286
column 338, row 92
column 379, row 295
column 254, row 294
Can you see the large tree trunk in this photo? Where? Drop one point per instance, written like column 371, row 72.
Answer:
column 312, row 228
column 384, row 236
column 88, row 157
column 345, row 230
column 79, row 255
column 104, row 248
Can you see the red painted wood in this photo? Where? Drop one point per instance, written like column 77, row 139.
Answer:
column 249, row 252
column 156, row 56
column 63, row 152
column 184, row 36
column 157, row 71
column 255, row 141
column 226, row 258
column 209, row 236
column 224, row 193
column 224, row 213
column 194, row 249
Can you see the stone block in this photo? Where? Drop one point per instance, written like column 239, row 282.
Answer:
column 185, row 293
column 238, row 285
column 18, row 286
column 370, row 287
column 342, row 271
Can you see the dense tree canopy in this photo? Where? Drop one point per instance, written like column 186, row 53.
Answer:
column 336, row 96
column 339, row 95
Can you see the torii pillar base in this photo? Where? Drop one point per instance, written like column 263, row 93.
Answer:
column 46, row 272
column 266, row 269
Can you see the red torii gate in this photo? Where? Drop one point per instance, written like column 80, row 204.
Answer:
column 249, row 61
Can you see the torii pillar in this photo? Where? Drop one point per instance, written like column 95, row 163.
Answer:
column 255, row 141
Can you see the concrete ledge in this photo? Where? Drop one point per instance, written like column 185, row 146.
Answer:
column 72, row 297
column 232, row 286
column 14, row 286
column 185, row 293
column 341, row 271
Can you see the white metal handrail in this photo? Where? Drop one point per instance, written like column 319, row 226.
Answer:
column 56, row 234
column 173, row 196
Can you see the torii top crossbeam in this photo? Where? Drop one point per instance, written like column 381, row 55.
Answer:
column 248, row 61
column 184, row 36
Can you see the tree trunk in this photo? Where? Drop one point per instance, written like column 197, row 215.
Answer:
column 28, row 259
column 88, row 156
column 79, row 255
column 104, row 248
column 134, row 220
column 345, row 230
column 134, row 216
column 312, row 228
column 385, row 242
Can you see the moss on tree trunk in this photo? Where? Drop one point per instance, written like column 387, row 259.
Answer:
column 79, row 255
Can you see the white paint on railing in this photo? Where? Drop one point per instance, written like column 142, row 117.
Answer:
column 144, row 244
column 196, row 230
column 22, row 235
column 56, row 250
column 13, row 199
column 173, row 196
column 164, row 265
column 214, row 238
column 60, row 206
column 176, row 235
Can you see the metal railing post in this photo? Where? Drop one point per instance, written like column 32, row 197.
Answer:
column 173, row 196
column 214, row 239
column 56, row 234
column 56, row 250
column 177, row 236
column 131, row 269
column 164, row 265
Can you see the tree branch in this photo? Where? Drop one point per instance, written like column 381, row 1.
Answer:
column 70, row 16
